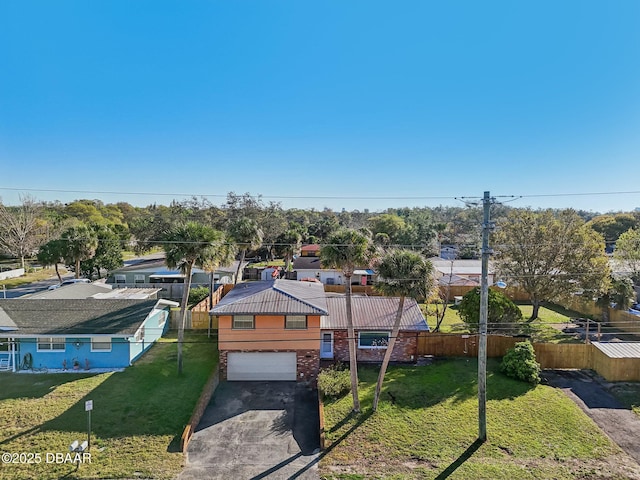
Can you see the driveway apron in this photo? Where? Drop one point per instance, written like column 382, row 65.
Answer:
column 588, row 392
column 254, row 430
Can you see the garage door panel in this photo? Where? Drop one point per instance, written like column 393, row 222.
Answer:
column 261, row 366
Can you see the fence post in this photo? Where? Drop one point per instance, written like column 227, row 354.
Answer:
column 586, row 338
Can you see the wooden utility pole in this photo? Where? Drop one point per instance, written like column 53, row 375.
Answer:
column 484, row 314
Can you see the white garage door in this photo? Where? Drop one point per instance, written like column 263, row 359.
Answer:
column 249, row 366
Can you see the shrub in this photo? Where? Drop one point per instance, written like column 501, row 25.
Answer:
column 520, row 363
column 197, row 294
column 503, row 315
column 335, row 381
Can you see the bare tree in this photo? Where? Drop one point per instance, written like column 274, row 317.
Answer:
column 21, row 228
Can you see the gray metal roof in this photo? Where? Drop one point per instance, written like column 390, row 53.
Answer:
column 619, row 349
column 75, row 317
column 373, row 313
column 71, row 292
column 129, row 292
column 279, row 297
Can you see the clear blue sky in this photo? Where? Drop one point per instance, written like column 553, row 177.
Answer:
column 322, row 99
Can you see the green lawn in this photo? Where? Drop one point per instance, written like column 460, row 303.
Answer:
column 541, row 329
column 427, row 423
column 628, row 394
column 41, row 274
column 138, row 415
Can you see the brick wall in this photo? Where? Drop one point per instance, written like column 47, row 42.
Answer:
column 405, row 348
column 308, row 363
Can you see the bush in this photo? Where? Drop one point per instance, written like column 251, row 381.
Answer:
column 197, row 294
column 520, row 363
column 335, row 381
column 504, row 316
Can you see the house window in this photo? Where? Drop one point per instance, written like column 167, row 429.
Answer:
column 51, row 344
column 373, row 339
column 243, row 322
column 138, row 278
column 100, row 344
column 295, row 322
column 120, row 278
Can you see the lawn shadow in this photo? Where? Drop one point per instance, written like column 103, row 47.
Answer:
column 34, row 385
column 468, row 453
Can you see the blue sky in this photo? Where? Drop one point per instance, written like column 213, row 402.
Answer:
column 415, row 99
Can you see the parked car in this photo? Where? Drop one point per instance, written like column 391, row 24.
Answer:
column 71, row 281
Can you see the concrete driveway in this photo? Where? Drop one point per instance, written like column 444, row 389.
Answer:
column 254, row 430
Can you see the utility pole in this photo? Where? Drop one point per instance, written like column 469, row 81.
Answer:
column 484, row 314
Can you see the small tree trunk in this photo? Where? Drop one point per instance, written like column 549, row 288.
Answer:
column 22, row 260
column 55, row 265
column 387, row 354
column 353, row 362
column 536, row 309
column 77, row 268
column 183, row 316
column 242, row 254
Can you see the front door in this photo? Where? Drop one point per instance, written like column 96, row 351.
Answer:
column 326, row 348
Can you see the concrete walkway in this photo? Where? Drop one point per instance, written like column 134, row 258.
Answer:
column 255, row 430
column 589, row 392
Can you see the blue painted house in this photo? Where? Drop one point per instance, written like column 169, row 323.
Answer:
column 90, row 333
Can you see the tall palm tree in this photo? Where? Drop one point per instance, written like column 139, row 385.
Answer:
column 247, row 235
column 186, row 246
column 347, row 249
column 403, row 273
column 79, row 243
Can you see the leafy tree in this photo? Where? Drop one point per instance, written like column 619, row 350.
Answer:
column 627, row 252
column 79, row 243
column 288, row 244
column 392, row 225
column 618, row 291
column 347, row 249
column 247, row 235
column 51, row 253
column 108, row 254
column 520, row 363
column 549, row 254
column 403, row 274
column 21, row 228
column 503, row 314
column 186, row 246
column 611, row 226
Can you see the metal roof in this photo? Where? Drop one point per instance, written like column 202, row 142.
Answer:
column 619, row 349
column 129, row 292
column 373, row 313
column 71, row 292
column 75, row 317
column 279, row 297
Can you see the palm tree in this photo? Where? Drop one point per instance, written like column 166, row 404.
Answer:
column 403, row 273
column 289, row 245
column 51, row 254
column 247, row 235
column 185, row 246
column 79, row 243
column 347, row 249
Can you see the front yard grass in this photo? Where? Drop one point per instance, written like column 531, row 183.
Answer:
column 628, row 394
column 426, row 426
column 36, row 276
column 137, row 420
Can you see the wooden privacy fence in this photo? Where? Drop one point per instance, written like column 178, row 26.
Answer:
column 198, row 316
column 550, row 355
column 456, row 345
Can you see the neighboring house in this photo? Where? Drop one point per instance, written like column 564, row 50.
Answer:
column 270, row 330
column 467, row 269
column 308, row 266
column 373, row 319
column 97, row 333
column 154, row 273
column 279, row 330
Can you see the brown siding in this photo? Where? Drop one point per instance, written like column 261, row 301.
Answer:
column 269, row 334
